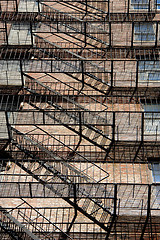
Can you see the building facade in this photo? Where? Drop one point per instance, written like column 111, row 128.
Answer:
column 79, row 119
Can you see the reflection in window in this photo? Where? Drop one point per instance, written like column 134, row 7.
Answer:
column 140, row 4
column 149, row 71
column 144, row 32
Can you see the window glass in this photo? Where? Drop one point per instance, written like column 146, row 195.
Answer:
column 155, row 167
column 152, row 118
column 140, row 4
column 158, row 4
column 156, row 172
column 149, row 71
column 144, row 32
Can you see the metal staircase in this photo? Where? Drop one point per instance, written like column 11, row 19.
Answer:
column 95, row 130
column 29, row 215
column 61, row 171
column 83, row 8
column 14, row 228
column 89, row 73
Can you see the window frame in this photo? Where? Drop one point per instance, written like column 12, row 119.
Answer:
column 137, row 6
column 141, row 35
column 151, row 119
column 149, row 68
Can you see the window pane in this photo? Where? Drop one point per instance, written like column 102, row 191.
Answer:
column 149, row 71
column 152, row 118
column 156, row 172
column 144, row 32
column 158, row 4
column 140, row 4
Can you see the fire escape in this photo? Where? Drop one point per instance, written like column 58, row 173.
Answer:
column 79, row 125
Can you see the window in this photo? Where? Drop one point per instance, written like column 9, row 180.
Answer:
column 10, row 73
column 140, row 4
column 155, row 167
column 144, row 32
column 149, row 71
column 156, row 172
column 152, row 119
column 158, row 4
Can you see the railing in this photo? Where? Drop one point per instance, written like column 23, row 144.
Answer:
column 121, row 74
column 131, row 126
column 85, row 170
column 89, row 7
column 130, row 196
column 37, row 221
column 127, row 53
column 62, row 217
column 14, row 228
column 115, row 34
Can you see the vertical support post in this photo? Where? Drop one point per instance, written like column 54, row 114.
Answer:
column 80, row 123
column 149, row 6
column 137, row 68
column 85, row 34
column 113, row 136
column 44, row 117
column 82, row 66
column 109, row 9
column 142, row 128
column 31, row 30
column 22, row 78
column 86, row 7
column 30, row 189
column 132, row 34
column 110, row 35
column 6, row 32
column 8, row 126
column 38, row 6
column 16, row 6
column 51, row 65
column 114, row 125
column 148, row 212
column 80, row 131
column 111, row 73
column 75, row 208
column 115, row 200
column 114, row 212
column 128, row 7
column 156, row 40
